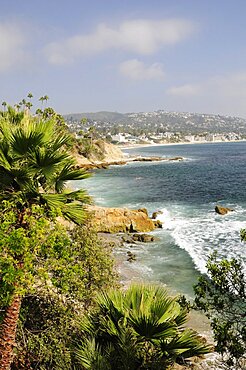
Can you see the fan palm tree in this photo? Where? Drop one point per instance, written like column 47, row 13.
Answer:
column 141, row 328
column 34, row 168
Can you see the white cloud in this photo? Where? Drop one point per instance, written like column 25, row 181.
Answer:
column 140, row 36
column 12, row 43
column 136, row 70
column 184, row 90
column 225, row 94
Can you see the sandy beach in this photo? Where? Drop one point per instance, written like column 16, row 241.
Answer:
column 132, row 146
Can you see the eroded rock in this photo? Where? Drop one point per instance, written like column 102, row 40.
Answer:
column 222, row 210
column 144, row 238
column 115, row 220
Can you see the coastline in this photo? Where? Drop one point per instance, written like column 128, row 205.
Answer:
column 132, row 146
column 197, row 320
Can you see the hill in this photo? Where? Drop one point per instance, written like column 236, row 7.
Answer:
column 160, row 121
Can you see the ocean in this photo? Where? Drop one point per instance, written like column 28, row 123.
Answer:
column 186, row 193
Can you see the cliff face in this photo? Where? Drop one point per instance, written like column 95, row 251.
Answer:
column 101, row 153
column 106, row 152
column 114, row 220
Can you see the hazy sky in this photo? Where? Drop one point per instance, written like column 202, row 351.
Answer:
column 125, row 55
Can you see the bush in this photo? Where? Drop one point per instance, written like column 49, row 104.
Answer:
column 49, row 316
column 222, row 296
column 138, row 328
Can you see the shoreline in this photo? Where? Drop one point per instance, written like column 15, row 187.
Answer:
column 133, row 146
column 196, row 319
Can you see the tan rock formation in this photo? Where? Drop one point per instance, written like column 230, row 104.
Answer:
column 114, row 220
column 102, row 155
column 222, row 210
column 109, row 152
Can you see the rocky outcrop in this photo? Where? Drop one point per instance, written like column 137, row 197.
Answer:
column 158, row 224
column 222, row 210
column 114, row 220
column 105, row 154
column 147, row 159
column 102, row 155
column 155, row 214
column 131, row 257
column 144, row 238
column 155, row 159
column 101, row 165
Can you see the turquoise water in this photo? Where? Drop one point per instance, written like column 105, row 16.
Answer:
column 186, row 192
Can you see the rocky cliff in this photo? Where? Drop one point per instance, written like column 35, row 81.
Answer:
column 102, row 154
column 114, row 220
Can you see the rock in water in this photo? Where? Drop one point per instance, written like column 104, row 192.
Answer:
column 222, row 210
column 144, row 238
column 115, row 220
column 155, row 214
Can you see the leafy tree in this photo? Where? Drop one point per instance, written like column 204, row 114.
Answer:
column 222, row 296
column 141, row 328
column 34, row 167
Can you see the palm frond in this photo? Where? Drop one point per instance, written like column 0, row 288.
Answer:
column 23, row 141
column 60, row 141
column 150, row 328
column 54, row 201
column 185, row 344
column 112, row 304
column 46, row 161
column 75, row 212
column 91, row 357
column 15, row 179
column 68, row 173
column 5, row 129
column 4, row 159
column 80, row 195
column 47, row 129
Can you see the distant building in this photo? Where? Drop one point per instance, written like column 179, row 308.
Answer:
column 190, row 138
column 119, row 138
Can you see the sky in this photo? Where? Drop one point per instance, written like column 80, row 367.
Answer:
column 125, row 55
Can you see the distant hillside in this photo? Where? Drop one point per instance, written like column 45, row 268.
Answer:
column 162, row 121
column 98, row 116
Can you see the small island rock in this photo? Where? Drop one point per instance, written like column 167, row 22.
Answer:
column 222, row 210
column 155, row 214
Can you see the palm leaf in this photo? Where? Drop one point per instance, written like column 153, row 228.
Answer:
column 60, row 141
column 150, row 328
column 185, row 344
column 46, row 162
column 68, row 173
column 15, row 179
column 90, row 356
column 74, row 211
column 23, row 141
column 54, row 201
column 4, row 160
column 46, row 129
column 79, row 195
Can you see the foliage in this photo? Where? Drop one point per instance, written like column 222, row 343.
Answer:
column 140, row 328
column 76, row 267
column 35, row 166
column 44, row 333
column 222, row 296
column 22, row 247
